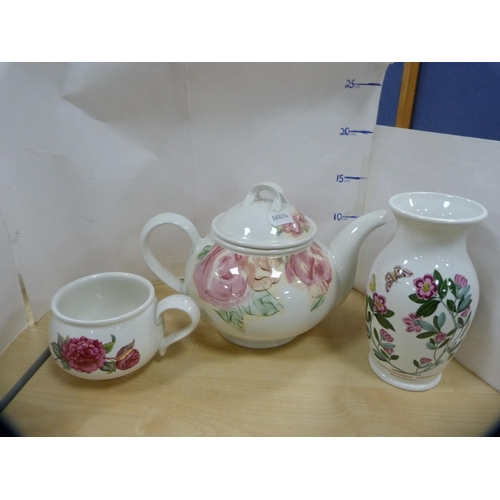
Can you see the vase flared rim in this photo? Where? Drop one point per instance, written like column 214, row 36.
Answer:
column 437, row 208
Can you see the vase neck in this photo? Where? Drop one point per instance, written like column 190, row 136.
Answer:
column 430, row 230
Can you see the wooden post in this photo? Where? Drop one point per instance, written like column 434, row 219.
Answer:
column 407, row 94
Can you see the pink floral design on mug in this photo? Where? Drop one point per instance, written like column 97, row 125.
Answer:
column 110, row 324
column 88, row 355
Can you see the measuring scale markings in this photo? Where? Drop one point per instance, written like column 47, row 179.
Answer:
column 339, row 216
column 348, row 131
column 349, row 178
column 352, row 84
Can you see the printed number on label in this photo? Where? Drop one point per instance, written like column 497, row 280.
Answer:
column 280, row 219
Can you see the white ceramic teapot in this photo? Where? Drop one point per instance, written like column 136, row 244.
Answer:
column 260, row 277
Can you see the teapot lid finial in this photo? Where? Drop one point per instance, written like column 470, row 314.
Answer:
column 264, row 223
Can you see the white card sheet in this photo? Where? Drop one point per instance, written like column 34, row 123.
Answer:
column 409, row 160
column 89, row 152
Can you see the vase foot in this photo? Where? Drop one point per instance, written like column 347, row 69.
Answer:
column 407, row 385
column 257, row 344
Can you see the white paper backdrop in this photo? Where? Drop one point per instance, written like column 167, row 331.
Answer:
column 14, row 316
column 409, row 160
column 90, row 151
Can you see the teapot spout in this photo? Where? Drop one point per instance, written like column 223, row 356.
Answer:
column 345, row 249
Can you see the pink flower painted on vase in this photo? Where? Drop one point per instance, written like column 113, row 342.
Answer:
column 83, row 354
column 426, row 287
column 411, row 323
column 465, row 313
column 262, row 272
column 297, row 227
column 310, row 268
column 440, row 337
column 460, row 280
column 425, row 361
column 386, row 335
column 219, row 279
column 379, row 303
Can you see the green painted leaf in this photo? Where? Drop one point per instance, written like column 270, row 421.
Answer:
column 468, row 318
column 431, row 346
column 233, row 317
column 439, row 321
column 460, row 322
column 60, row 339
column 426, row 335
column 463, row 291
column 452, row 332
column 442, row 344
column 109, row 367
column 370, row 302
column 426, row 326
column 65, row 364
column 387, row 345
column 464, row 303
column 368, row 316
column 204, row 252
column 236, row 319
column 384, row 354
column 416, row 363
column 379, row 356
column 263, row 304
column 376, row 335
column 443, row 289
column 427, row 309
column 453, row 287
column 56, row 348
column 438, row 277
column 415, row 298
column 109, row 346
column 384, row 322
column 394, row 357
column 450, row 305
column 388, row 314
column 320, row 301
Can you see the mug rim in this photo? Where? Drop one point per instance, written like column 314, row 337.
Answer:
column 107, row 321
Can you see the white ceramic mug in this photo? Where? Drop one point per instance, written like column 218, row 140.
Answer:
column 108, row 325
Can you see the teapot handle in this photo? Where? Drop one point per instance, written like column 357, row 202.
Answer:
column 274, row 189
column 164, row 274
column 184, row 303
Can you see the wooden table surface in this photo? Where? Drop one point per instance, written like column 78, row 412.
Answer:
column 320, row 384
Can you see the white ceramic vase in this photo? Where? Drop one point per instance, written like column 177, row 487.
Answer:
column 423, row 289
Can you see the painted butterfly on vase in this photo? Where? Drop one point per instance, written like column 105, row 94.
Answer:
column 373, row 283
column 392, row 276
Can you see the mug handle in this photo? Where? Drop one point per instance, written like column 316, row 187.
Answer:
column 154, row 265
column 184, row 303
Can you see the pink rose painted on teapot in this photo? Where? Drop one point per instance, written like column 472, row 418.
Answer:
column 311, row 269
column 218, row 279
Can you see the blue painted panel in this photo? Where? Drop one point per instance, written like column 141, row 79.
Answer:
column 452, row 98
column 458, row 98
column 389, row 97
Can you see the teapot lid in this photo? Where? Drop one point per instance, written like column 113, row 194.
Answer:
column 262, row 223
